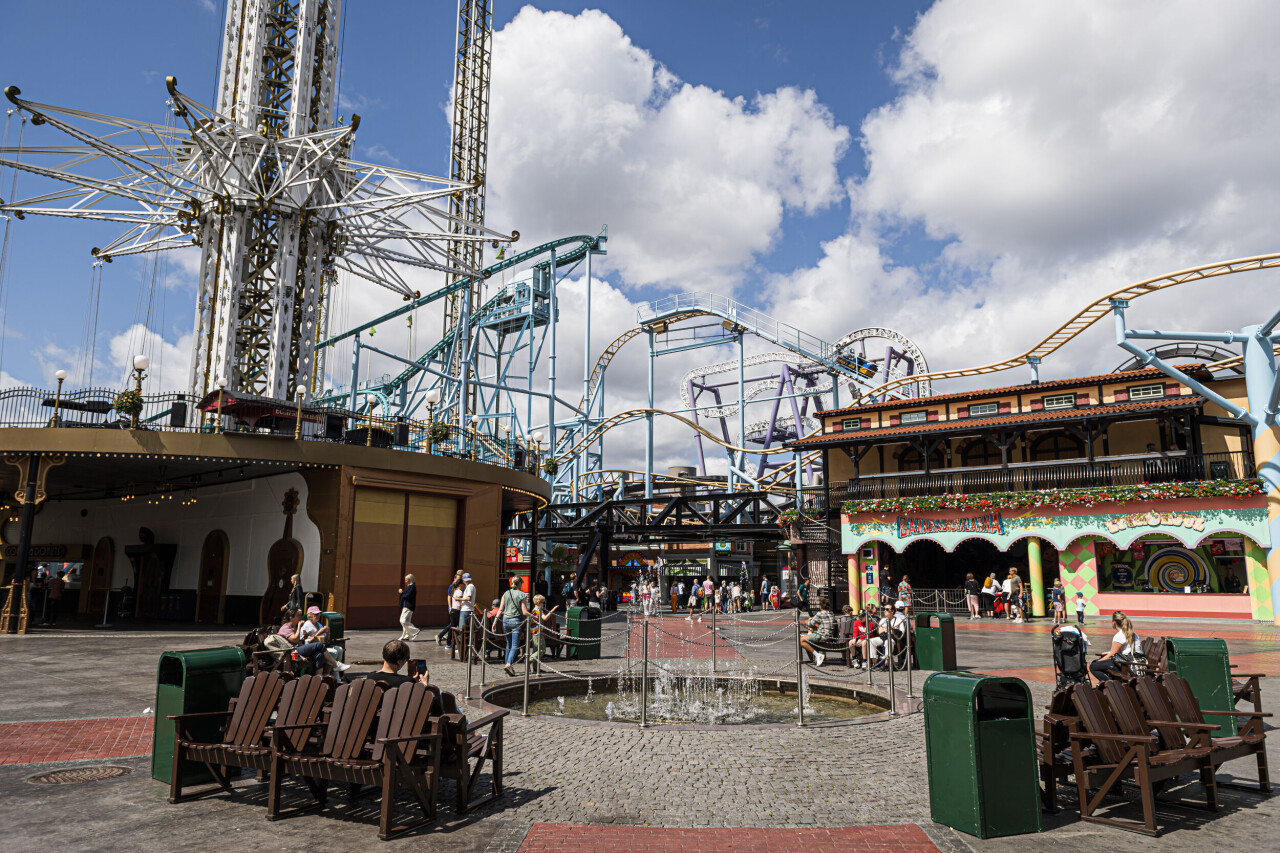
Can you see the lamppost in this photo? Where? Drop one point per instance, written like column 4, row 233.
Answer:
column 538, row 437
column 61, row 376
column 432, row 397
column 222, row 387
column 506, row 430
column 297, row 423
column 475, row 435
column 140, row 364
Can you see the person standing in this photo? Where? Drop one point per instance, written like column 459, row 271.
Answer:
column 408, row 604
column 445, row 635
column 56, row 588
column 990, row 589
column 904, row 593
column 708, row 594
column 802, row 596
column 1079, row 608
column 297, row 596
column 466, row 608
column 1058, row 598
column 764, row 592
column 972, row 589
column 1015, row 595
column 515, row 609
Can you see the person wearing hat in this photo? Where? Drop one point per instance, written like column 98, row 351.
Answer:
column 468, row 602
column 408, row 603
column 312, row 638
column 895, row 620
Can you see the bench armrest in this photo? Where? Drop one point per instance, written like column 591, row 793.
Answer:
column 1206, row 727
column 1237, row 713
column 1118, row 738
column 486, row 720
column 432, row 734
column 1248, row 675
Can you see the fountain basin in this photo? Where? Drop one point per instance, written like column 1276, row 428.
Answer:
column 691, row 700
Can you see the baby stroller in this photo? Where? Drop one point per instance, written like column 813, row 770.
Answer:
column 1070, row 661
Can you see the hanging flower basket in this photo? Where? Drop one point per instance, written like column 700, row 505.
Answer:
column 550, row 467
column 128, row 403
column 438, row 432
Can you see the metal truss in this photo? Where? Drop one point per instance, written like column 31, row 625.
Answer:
column 265, row 185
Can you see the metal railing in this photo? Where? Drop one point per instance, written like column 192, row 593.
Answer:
column 1035, row 476
column 94, row 408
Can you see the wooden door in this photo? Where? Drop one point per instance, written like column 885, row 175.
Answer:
column 211, row 595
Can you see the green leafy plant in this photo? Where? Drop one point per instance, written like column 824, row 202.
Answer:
column 1060, row 498
column 128, row 403
column 550, row 467
column 438, row 432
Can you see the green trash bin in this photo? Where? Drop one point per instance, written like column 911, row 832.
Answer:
column 980, row 743
column 936, row 644
column 583, row 626
column 192, row 682
column 1206, row 666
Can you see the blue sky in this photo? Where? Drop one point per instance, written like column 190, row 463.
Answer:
column 969, row 172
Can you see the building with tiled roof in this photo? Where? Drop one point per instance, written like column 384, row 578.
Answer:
column 1127, row 487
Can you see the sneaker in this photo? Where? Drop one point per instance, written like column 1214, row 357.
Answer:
column 415, row 636
column 1019, row 619
column 818, row 658
column 342, row 667
column 509, row 670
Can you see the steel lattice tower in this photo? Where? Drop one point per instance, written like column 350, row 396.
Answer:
column 265, row 184
column 468, row 156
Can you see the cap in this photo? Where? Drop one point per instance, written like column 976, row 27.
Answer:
column 466, row 577
column 900, row 605
column 495, row 603
column 312, row 609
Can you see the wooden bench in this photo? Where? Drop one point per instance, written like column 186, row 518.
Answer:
column 467, row 746
column 405, row 750
column 244, row 742
column 1119, row 731
column 1252, row 740
column 1054, row 747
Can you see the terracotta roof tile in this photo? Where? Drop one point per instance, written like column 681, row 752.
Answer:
column 972, row 424
column 983, row 393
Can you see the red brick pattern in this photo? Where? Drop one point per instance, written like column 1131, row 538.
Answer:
column 560, row 837
column 74, row 740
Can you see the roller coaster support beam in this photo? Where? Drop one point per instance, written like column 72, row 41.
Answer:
column 1262, row 388
column 477, row 382
column 355, row 371
column 1033, row 361
column 740, row 459
column 648, row 439
column 551, row 358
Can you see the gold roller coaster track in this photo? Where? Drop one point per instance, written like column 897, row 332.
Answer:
column 1059, row 338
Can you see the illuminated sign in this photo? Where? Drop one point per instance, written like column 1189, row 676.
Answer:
column 990, row 523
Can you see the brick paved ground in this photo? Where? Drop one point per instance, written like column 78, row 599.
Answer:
column 74, row 740
column 603, row 777
column 558, row 837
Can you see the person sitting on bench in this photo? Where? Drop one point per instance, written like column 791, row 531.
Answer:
column 895, row 620
column 395, row 654
column 312, row 647
column 822, row 630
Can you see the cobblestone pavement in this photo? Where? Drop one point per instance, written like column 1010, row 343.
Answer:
column 568, row 772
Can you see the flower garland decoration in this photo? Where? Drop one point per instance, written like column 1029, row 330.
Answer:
column 128, row 403
column 1060, row 498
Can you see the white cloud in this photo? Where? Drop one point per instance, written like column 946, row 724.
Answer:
column 588, row 128
column 170, row 361
column 1057, row 152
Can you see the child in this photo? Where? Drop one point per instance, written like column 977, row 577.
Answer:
column 1058, row 596
column 540, row 615
column 1080, row 608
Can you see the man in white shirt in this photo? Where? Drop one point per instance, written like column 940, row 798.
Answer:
column 468, row 603
column 894, row 619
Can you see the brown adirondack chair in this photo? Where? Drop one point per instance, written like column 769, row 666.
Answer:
column 1251, row 740
column 350, row 721
column 465, row 743
column 405, row 749
column 244, row 741
column 1125, row 750
column 1052, row 744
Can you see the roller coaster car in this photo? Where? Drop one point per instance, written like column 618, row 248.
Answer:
column 859, row 364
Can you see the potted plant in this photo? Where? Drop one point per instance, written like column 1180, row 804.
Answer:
column 550, row 467
column 438, row 432
column 128, row 403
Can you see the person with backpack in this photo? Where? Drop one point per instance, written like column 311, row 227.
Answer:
column 1058, row 600
column 515, row 609
column 1015, row 595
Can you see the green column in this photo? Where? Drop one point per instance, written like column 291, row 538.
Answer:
column 1035, row 576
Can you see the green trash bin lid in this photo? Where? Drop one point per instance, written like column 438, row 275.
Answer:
column 175, row 666
column 922, row 619
column 967, row 688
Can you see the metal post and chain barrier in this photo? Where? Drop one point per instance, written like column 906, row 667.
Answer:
column 470, row 649
column 910, row 689
column 799, row 674
column 528, row 630
column 893, row 696
column 644, row 674
column 713, row 638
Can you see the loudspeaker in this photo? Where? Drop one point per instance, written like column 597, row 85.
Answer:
column 400, row 436
column 334, row 427
column 178, row 415
column 517, row 458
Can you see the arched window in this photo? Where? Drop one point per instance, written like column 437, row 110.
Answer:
column 981, row 453
column 912, row 460
column 1055, row 446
